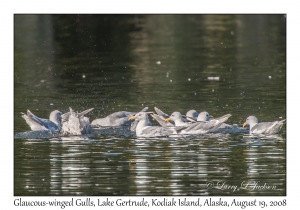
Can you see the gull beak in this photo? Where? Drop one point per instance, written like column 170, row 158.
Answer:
column 212, row 116
column 167, row 120
column 131, row 118
column 245, row 123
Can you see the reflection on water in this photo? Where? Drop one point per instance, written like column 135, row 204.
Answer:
column 115, row 166
column 219, row 63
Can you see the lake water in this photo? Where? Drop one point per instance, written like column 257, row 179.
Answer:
column 219, row 63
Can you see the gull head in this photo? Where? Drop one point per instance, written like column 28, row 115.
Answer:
column 55, row 116
column 204, row 116
column 175, row 116
column 192, row 114
column 251, row 120
column 139, row 116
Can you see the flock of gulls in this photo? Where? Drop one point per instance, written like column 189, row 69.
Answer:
column 193, row 123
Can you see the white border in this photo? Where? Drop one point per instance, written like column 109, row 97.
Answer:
column 8, row 8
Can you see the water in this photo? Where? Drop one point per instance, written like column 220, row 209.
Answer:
column 219, row 63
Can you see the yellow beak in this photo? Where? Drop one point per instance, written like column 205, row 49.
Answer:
column 212, row 116
column 131, row 118
column 244, row 124
column 167, row 120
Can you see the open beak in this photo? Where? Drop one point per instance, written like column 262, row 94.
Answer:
column 244, row 124
column 131, row 118
column 167, row 120
column 212, row 116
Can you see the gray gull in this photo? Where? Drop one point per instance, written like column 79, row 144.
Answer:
column 262, row 127
column 115, row 119
column 197, row 127
column 36, row 123
column 144, row 130
column 76, row 123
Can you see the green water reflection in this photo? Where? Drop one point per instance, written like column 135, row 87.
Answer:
column 219, row 63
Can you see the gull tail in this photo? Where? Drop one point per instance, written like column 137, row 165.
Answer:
column 223, row 118
column 215, row 123
column 281, row 122
column 84, row 112
column 159, row 112
column 159, row 120
column 145, row 109
column 29, row 113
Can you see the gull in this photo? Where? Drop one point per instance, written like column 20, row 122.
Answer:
column 36, row 123
column 177, row 118
column 65, row 117
column 160, row 117
column 144, row 130
column 190, row 116
column 223, row 128
column 76, row 123
column 263, row 127
column 193, row 116
column 116, row 119
column 200, row 127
